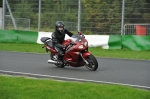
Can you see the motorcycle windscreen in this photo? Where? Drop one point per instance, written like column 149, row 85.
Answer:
column 76, row 38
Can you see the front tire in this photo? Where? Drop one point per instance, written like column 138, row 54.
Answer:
column 92, row 63
column 58, row 65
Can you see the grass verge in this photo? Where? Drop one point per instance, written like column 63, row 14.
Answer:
column 27, row 88
column 97, row 51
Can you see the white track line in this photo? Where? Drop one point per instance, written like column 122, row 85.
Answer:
column 67, row 78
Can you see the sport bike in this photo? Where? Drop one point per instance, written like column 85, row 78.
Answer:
column 76, row 52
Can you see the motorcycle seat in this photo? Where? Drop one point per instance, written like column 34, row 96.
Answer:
column 49, row 43
column 44, row 39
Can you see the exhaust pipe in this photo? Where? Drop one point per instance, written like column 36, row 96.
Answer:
column 52, row 62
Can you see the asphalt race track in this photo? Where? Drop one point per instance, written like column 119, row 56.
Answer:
column 113, row 71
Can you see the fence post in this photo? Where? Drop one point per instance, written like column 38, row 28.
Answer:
column 79, row 14
column 11, row 15
column 39, row 16
column 122, row 23
column 3, row 20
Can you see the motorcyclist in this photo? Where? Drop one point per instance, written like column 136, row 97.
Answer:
column 58, row 37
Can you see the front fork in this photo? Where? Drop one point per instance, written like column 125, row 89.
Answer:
column 84, row 55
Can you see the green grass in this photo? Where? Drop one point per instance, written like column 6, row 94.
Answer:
column 121, row 53
column 27, row 88
column 97, row 51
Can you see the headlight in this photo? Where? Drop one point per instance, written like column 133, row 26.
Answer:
column 85, row 43
column 81, row 46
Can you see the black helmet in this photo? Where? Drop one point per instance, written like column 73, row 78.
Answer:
column 59, row 24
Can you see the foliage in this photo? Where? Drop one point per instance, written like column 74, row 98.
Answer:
column 105, row 16
column 137, row 15
column 1, row 3
column 101, row 13
column 97, row 16
column 58, row 10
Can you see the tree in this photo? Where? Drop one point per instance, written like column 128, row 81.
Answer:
column 135, row 11
column 54, row 10
column 102, row 14
column 1, row 3
column 146, row 15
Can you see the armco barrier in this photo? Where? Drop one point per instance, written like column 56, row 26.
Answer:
column 136, row 42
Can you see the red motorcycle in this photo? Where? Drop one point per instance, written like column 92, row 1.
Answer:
column 76, row 52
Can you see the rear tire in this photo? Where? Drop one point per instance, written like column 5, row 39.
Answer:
column 58, row 65
column 93, row 64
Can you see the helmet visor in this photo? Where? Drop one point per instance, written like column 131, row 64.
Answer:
column 60, row 28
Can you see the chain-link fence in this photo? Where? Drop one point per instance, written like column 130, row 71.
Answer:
column 51, row 11
column 137, row 29
column 21, row 23
column 93, row 16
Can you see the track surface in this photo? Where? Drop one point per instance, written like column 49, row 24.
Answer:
column 122, row 71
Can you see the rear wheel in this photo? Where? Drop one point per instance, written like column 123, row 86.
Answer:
column 92, row 63
column 59, row 61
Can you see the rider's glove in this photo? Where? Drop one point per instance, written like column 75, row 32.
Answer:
column 80, row 33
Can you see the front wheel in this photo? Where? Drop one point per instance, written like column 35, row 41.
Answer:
column 92, row 63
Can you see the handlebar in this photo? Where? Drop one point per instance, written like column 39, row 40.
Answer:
column 71, row 43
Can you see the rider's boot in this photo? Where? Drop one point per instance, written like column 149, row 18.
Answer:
column 60, row 59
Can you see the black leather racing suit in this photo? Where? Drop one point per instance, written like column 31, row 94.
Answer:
column 57, row 39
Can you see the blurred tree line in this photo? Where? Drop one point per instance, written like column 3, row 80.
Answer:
column 97, row 16
column 105, row 15
column 1, row 3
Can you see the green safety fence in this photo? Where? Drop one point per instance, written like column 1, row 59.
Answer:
column 114, row 42
column 27, row 36
column 8, row 36
column 18, row 36
column 132, row 42
column 135, row 42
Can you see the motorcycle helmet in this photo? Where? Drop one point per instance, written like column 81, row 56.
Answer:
column 59, row 26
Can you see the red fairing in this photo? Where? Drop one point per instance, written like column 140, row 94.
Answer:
column 52, row 50
column 65, row 42
column 73, row 59
column 85, row 54
column 72, row 56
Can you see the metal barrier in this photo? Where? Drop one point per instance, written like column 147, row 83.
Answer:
column 137, row 29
